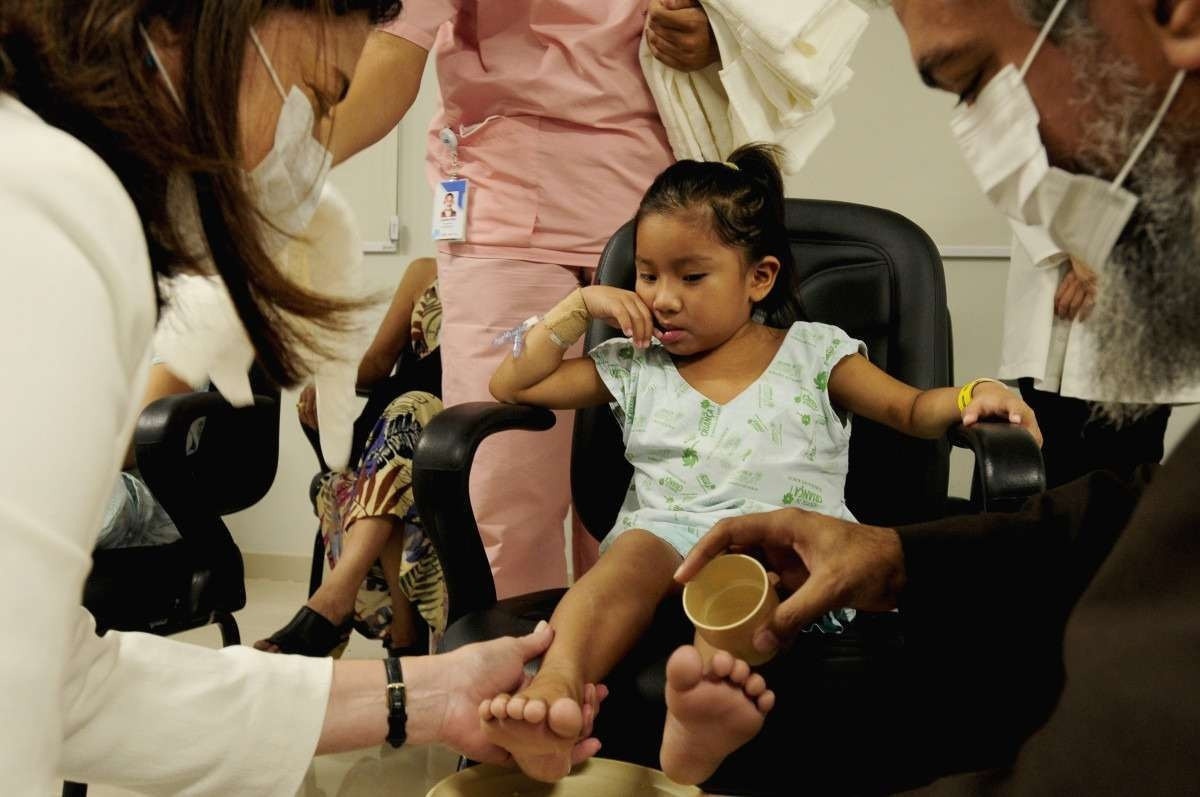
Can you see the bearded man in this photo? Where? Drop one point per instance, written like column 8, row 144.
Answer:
column 1055, row 650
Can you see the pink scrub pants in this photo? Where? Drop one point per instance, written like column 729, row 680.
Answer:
column 520, row 482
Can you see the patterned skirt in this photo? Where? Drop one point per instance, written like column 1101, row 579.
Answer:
column 380, row 486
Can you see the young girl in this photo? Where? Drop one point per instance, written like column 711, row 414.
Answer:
column 721, row 415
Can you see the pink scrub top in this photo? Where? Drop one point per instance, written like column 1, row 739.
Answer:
column 558, row 133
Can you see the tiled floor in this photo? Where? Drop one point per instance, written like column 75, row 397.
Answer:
column 408, row 772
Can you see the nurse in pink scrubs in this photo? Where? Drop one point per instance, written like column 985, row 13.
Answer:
column 556, row 132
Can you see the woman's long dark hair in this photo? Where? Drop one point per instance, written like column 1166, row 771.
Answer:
column 82, row 66
column 745, row 208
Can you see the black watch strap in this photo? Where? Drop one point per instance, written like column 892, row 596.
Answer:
column 397, row 697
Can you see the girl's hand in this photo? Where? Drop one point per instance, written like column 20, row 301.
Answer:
column 990, row 400
column 623, row 310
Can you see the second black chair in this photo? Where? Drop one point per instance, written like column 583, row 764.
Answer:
column 201, row 458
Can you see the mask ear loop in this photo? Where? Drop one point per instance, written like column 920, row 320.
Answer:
column 158, row 64
column 262, row 53
column 1155, row 123
column 1043, row 34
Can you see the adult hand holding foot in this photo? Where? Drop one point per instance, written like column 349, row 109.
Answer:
column 550, row 739
column 826, row 561
column 442, row 697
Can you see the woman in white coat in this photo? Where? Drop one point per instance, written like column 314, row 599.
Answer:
column 127, row 131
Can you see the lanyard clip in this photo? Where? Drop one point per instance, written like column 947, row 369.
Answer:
column 450, row 142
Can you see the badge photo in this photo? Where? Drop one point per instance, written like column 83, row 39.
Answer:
column 450, row 210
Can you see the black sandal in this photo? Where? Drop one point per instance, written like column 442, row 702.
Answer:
column 310, row 634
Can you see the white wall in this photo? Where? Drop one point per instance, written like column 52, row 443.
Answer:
column 891, row 148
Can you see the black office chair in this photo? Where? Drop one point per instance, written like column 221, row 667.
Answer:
column 869, row 271
column 202, row 458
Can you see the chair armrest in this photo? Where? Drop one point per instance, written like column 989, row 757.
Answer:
column 441, row 479
column 168, row 419
column 1008, row 465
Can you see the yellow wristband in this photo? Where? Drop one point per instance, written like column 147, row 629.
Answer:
column 967, row 394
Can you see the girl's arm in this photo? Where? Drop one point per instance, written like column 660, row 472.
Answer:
column 860, row 387
column 540, row 376
column 392, row 336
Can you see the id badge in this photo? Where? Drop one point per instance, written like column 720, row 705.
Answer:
column 450, row 210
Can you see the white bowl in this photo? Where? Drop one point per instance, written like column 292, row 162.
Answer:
column 599, row 777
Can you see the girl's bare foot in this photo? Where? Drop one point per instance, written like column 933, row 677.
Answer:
column 540, row 726
column 709, row 714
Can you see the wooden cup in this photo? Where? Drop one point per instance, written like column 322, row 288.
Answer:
column 728, row 601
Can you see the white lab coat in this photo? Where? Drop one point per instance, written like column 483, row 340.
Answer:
column 1059, row 355
column 781, row 64
column 78, row 315
column 200, row 337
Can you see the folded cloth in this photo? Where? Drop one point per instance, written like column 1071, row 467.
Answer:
column 781, row 64
column 693, row 107
column 200, row 337
column 778, row 23
column 812, row 64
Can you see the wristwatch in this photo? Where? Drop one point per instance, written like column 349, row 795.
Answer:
column 397, row 697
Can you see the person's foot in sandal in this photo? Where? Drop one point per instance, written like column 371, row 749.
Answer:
column 320, row 627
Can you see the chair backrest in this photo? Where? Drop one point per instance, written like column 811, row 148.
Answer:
column 202, row 459
column 205, row 458
column 872, row 273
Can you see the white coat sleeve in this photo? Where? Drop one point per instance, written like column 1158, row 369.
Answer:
column 130, row 709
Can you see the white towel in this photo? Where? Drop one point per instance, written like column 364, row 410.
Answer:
column 692, row 106
column 781, row 64
column 813, row 67
column 755, row 120
column 777, row 22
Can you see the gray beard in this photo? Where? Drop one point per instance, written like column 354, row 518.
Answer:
column 1147, row 316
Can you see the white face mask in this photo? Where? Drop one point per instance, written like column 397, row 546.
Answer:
column 287, row 183
column 289, row 180
column 998, row 136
